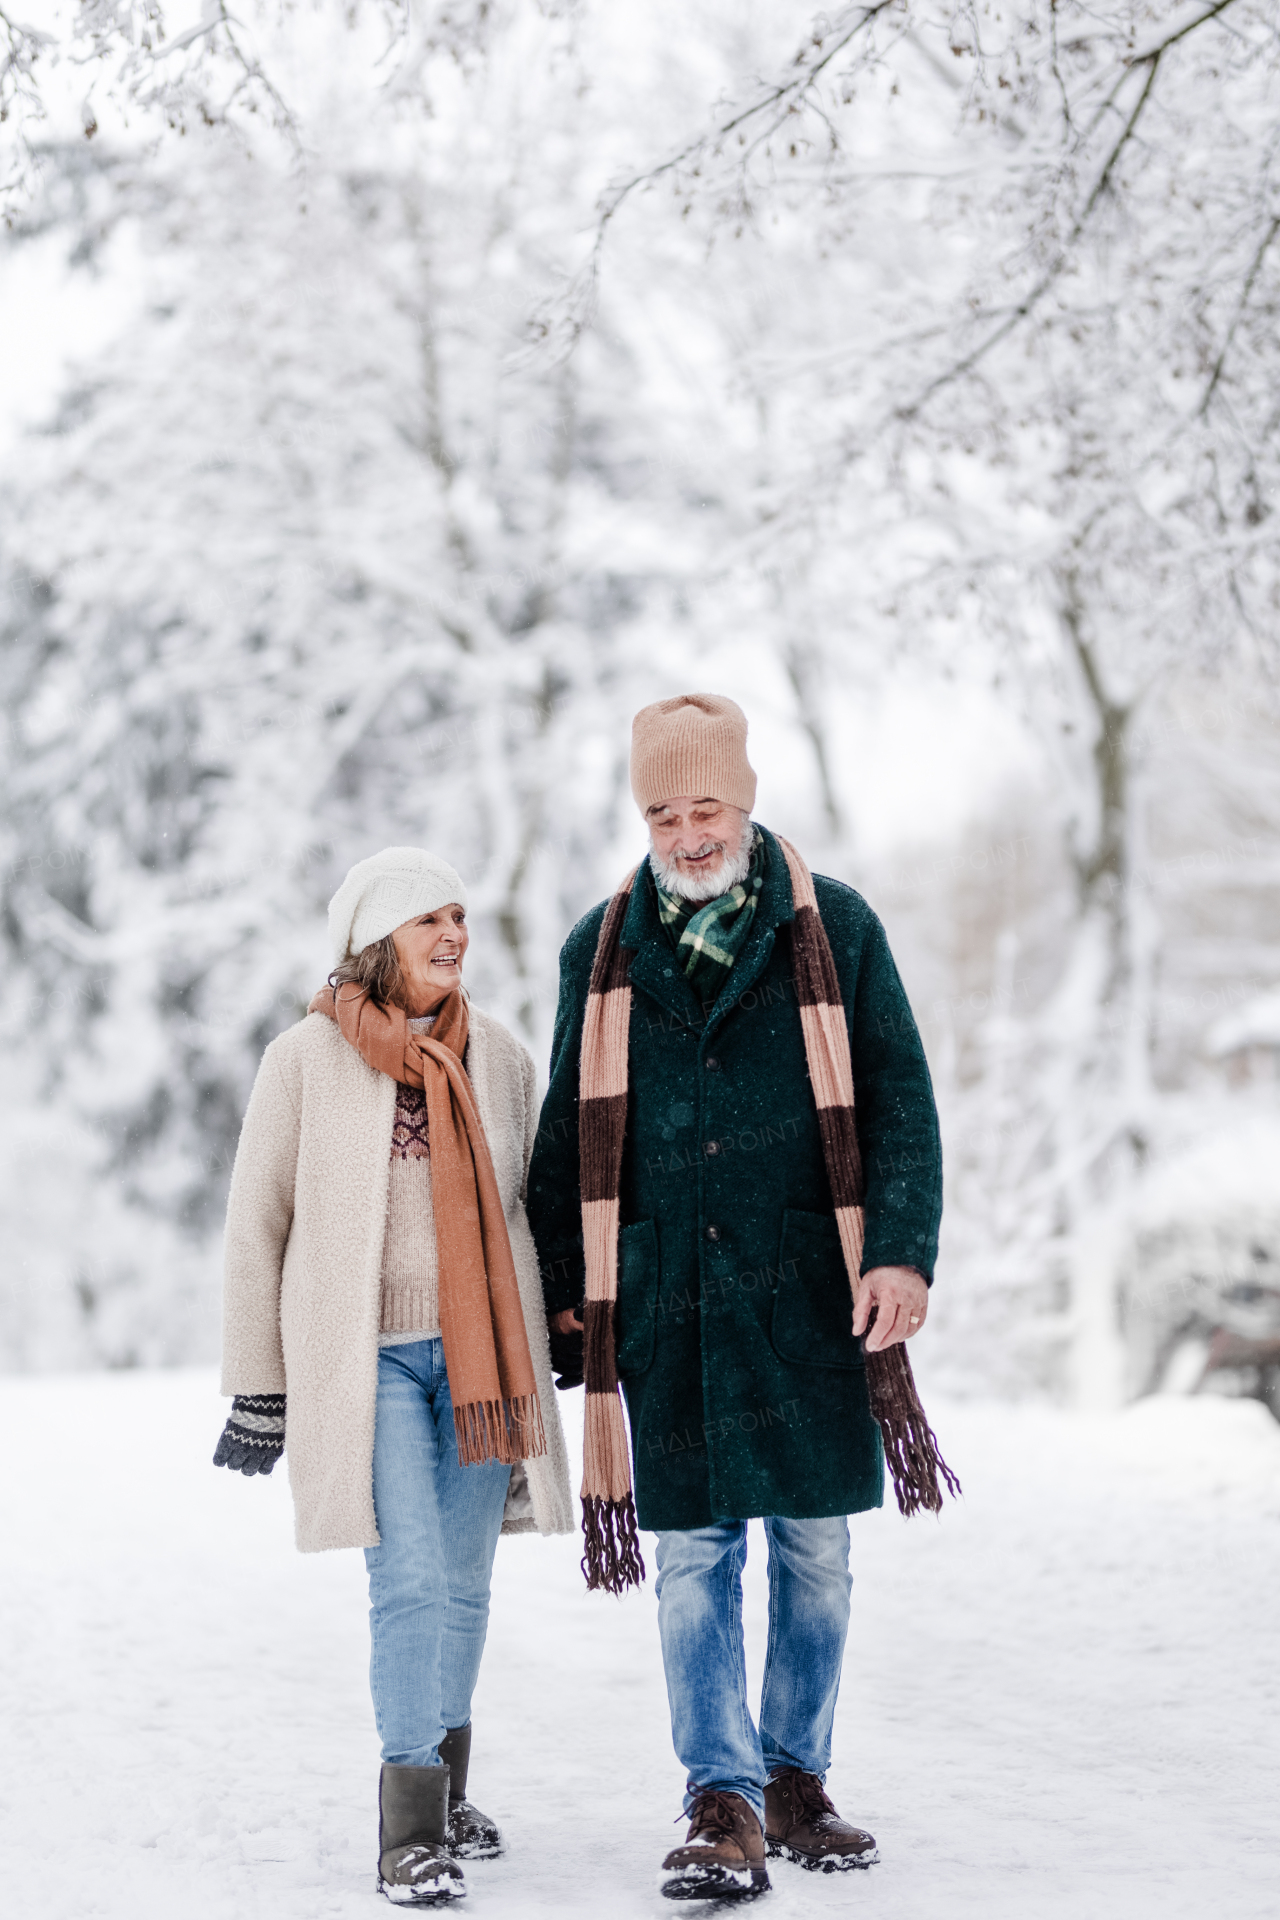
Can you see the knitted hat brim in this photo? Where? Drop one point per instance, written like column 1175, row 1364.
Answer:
column 385, row 891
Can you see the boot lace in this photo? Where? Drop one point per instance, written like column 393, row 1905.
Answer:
column 713, row 1812
column 809, row 1792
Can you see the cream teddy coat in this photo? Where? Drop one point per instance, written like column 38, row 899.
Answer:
column 301, row 1304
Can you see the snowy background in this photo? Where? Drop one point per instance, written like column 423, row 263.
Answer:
column 393, row 398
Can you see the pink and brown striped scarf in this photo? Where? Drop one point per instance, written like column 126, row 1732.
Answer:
column 612, row 1559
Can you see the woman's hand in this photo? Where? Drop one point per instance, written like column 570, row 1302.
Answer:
column 253, row 1438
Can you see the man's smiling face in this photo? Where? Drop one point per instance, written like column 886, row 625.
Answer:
column 700, row 846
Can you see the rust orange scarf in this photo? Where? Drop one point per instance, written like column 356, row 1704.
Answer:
column 486, row 1348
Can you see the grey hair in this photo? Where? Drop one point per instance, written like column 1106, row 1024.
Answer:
column 376, row 968
column 736, row 867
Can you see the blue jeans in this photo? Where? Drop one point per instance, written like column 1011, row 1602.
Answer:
column 700, row 1621
column 429, row 1578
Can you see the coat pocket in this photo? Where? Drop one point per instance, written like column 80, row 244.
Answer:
column 637, row 1297
column 813, row 1307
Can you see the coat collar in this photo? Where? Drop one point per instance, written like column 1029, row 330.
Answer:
column 655, row 969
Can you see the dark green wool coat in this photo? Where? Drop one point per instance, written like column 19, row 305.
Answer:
column 745, row 1387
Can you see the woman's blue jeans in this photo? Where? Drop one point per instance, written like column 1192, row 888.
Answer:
column 700, row 1621
column 429, row 1578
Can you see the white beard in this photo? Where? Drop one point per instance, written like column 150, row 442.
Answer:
column 701, row 887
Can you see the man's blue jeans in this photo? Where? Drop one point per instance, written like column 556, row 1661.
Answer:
column 700, row 1621
column 429, row 1578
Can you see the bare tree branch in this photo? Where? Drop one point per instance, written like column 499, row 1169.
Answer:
column 781, row 100
column 1180, row 33
column 788, row 91
column 1254, row 268
column 1053, row 271
column 1151, row 59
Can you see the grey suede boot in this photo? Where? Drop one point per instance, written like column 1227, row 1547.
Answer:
column 472, row 1835
column 415, row 1868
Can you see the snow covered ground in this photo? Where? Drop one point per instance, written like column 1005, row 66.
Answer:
column 1062, row 1700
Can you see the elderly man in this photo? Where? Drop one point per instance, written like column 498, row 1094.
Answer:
column 738, row 1170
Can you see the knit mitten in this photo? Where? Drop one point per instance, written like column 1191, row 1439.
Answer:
column 253, row 1438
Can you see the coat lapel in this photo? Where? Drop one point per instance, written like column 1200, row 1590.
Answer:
column 358, row 1127
column 773, row 910
column 658, row 973
column 655, row 969
column 503, row 1126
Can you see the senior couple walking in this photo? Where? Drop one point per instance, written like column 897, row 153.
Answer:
column 727, row 1206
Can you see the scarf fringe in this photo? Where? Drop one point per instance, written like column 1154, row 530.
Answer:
column 612, row 1561
column 504, row 1430
column 910, row 1445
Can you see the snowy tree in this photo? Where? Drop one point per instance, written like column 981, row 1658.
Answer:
column 1046, row 426
column 308, row 564
column 444, row 438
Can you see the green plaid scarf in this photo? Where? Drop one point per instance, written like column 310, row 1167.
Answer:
column 709, row 936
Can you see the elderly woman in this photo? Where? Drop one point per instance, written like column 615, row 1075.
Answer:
column 383, row 1308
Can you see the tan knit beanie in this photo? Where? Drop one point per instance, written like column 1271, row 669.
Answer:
column 694, row 744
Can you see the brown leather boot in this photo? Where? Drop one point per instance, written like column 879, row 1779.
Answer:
column 801, row 1824
column 723, row 1853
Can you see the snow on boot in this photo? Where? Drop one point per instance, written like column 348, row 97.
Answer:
column 801, row 1824
column 415, row 1868
column 723, row 1854
column 472, row 1834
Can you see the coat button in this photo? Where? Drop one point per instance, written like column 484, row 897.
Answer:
column 713, row 1233
column 712, row 1146
column 711, row 1064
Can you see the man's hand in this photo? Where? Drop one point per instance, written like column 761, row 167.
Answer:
column 566, row 1348
column 901, row 1300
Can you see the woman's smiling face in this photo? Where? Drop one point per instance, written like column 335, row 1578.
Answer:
column 430, row 950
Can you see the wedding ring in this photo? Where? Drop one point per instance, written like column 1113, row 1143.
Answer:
column 915, row 1319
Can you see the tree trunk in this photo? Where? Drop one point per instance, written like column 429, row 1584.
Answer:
column 1102, row 869
column 1104, row 1018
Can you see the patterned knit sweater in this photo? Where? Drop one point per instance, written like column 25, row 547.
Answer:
column 410, row 1269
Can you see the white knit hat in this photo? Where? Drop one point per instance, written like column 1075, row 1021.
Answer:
column 381, row 893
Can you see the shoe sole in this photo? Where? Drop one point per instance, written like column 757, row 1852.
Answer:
column 420, row 1897
column 823, row 1862
column 704, row 1883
